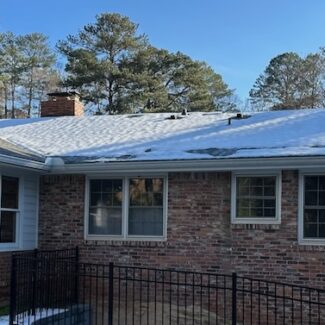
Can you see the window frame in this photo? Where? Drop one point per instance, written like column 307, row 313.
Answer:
column 301, row 207
column 125, row 208
column 16, row 244
column 256, row 220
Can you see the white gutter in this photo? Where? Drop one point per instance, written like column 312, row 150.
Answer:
column 190, row 165
column 57, row 165
column 23, row 163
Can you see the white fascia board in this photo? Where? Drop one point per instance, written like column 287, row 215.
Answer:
column 192, row 165
column 23, row 163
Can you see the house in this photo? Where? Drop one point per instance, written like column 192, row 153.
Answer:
column 203, row 191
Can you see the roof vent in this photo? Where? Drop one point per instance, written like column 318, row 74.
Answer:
column 184, row 111
column 239, row 116
column 174, row 117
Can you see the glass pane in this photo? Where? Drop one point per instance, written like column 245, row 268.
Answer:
column 269, row 203
column 117, row 198
column 270, row 181
column 117, row 185
column 310, row 215
column 256, row 181
column 322, row 183
column 269, row 191
column 242, row 181
column 311, row 183
column 8, row 227
column 146, row 207
column 148, row 185
column 242, row 191
column 242, row 212
column 146, row 191
column 107, row 185
column 269, row 213
column 157, row 185
column 96, row 199
column 242, row 203
column 146, row 221
column 157, row 199
column 106, row 193
column 310, row 230
column 256, row 203
column 321, row 198
column 321, row 215
column 256, row 213
column 105, row 221
column 310, row 197
column 107, row 199
column 257, row 191
column 321, row 230
column 9, row 192
column 95, row 185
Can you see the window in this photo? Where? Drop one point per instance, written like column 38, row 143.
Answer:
column 126, row 208
column 9, row 209
column 313, row 209
column 146, row 208
column 255, row 198
column 105, row 209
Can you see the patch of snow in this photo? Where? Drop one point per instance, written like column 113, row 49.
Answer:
column 26, row 320
column 155, row 137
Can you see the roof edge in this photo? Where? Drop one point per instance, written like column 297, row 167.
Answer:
column 192, row 165
column 23, row 163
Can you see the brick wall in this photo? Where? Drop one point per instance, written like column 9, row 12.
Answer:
column 62, row 106
column 199, row 232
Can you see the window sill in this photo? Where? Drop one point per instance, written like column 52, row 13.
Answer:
column 312, row 242
column 253, row 221
column 9, row 248
column 123, row 239
column 260, row 226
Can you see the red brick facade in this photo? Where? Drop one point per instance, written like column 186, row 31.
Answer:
column 62, row 106
column 200, row 235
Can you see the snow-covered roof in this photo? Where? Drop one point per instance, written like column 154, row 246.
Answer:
column 149, row 137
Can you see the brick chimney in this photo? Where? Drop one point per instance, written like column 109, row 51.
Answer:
column 62, row 104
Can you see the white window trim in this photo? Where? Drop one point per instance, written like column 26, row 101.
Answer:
column 301, row 200
column 4, row 247
column 125, row 236
column 277, row 219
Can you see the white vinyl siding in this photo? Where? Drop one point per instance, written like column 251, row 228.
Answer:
column 28, row 210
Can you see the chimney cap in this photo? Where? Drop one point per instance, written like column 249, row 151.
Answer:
column 64, row 93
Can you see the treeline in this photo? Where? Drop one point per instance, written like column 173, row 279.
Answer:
column 291, row 82
column 27, row 73
column 115, row 69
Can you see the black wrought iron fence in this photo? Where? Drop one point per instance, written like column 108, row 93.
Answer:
column 41, row 280
column 64, row 291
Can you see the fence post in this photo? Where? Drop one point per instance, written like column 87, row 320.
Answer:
column 77, row 276
column 34, row 276
column 13, row 290
column 234, row 299
column 110, row 292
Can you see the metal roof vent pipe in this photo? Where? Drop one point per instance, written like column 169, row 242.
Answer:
column 184, row 111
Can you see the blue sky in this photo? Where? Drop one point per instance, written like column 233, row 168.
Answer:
column 236, row 37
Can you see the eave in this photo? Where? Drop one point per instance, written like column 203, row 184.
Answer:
column 225, row 164
column 21, row 163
